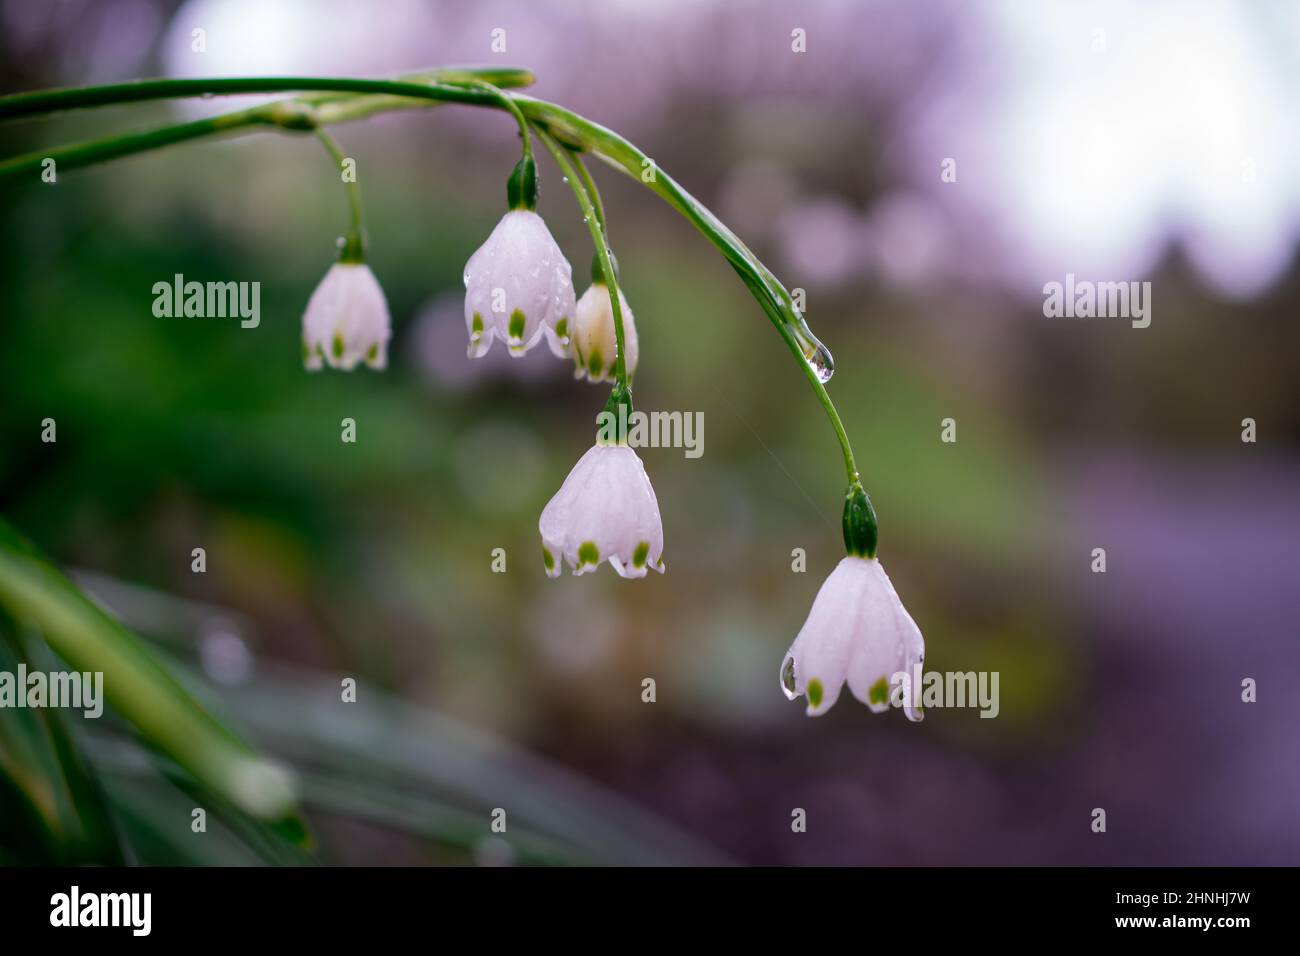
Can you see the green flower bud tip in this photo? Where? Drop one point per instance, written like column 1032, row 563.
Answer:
column 879, row 692
column 516, row 324
column 815, row 692
column 352, row 248
column 521, row 187
column 617, row 413
column 860, row 530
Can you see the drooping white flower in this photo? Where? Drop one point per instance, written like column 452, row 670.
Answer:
column 346, row 321
column 606, row 509
column 519, row 286
column 595, row 343
column 859, row 631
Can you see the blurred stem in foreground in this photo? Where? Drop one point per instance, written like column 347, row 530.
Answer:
column 52, row 808
column 140, row 689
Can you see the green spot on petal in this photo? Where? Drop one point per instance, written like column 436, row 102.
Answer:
column 338, row 345
column 879, row 692
column 373, row 354
column 815, row 692
column 588, row 553
column 594, row 362
column 640, row 554
column 476, row 324
column 548, row 559
column 562, row 327
column 516, row 324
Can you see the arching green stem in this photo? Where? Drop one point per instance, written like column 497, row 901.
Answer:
column 512, row 108
column 334, row 105
column 354, row 246
column 444, row 81
column 589, row 184
column 521, row 189
column 602, row 250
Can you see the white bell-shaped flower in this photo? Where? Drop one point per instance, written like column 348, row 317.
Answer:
column 595, row 343
column 859, row 631
column 606, row 509
column 519, row 286
column 347, row 320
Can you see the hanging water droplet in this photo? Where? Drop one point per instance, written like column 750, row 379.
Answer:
column 822, row 363
column 787, row 678
column 815, row 354
column 466, row 278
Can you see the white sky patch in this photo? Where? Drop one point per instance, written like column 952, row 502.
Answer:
column 1182, row 127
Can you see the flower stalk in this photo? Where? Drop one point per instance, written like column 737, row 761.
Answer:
column 354, row 245
column 338, row 100
column 603, row 254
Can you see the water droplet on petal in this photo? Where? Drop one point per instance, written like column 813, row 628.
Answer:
column 787, row 678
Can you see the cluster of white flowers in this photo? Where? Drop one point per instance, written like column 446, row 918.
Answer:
column 519, row 289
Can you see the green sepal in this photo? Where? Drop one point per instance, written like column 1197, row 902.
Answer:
column 860, row 530
column 353, row 247
column 521, row 187
column 620, row 397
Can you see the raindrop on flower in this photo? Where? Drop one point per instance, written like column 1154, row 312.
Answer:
column 787, row 679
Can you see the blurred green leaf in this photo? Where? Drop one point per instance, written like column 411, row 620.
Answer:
column 138, row 686
column 52, row 787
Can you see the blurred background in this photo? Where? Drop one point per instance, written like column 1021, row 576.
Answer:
column 1114, row 141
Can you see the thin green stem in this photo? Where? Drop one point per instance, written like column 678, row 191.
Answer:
column 512, row 108
column 778, row 305
column 602, row 248
column 106, row 148
column 589, row 184
column 444, row 83
column 563, row 125
column 355, row 245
